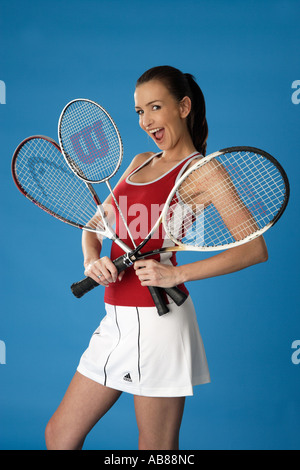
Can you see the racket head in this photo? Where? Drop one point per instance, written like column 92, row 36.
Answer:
column 226, row 199
column 90, row 140
column 42, row 175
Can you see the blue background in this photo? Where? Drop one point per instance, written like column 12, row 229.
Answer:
column 245, row 56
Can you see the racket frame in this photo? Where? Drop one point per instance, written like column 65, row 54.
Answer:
column 248, row 238
column 65, row 153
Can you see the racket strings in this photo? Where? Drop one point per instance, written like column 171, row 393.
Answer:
column 259, row 185
column 225, row 200
column 47, row 180
column 90, row 141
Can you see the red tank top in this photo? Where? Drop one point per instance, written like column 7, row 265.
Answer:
column 141, row 204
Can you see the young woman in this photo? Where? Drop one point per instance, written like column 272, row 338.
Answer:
column 157, row 359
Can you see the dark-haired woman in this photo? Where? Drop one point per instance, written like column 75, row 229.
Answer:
column 157, row 359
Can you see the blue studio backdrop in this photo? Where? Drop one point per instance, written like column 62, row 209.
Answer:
column 245, row 56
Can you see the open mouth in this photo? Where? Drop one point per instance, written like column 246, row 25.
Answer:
column 158, row 133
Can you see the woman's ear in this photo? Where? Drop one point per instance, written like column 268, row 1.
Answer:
column 185, row 107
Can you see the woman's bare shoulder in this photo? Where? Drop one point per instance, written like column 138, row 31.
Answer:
column 137, row 161
column 141, row 158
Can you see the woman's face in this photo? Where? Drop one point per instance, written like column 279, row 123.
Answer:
column 161, row 116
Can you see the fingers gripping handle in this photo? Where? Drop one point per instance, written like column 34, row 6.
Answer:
column 85, row 285
column 174, row 292
column 82, row 287
column 79, row 289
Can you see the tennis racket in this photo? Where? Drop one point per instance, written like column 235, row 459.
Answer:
column 92, row 147
column 223, row 200
column 42, row 175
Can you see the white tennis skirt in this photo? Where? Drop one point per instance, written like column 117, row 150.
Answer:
column 135, row 350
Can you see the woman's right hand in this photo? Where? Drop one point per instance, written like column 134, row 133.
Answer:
column 103, row 271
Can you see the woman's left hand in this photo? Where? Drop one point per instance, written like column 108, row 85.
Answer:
column 153, row 273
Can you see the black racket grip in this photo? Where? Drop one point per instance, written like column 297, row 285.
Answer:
column 176, row 294
column 158, row 299
column 79, row 289
column 156, row 292
column 83, row 287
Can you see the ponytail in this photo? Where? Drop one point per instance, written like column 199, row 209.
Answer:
column 197, row 118
column 180, row 85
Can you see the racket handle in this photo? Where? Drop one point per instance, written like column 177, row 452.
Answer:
column 85, row 285
column 158, row 299
column 174, row 292
column 82, row 287
column 156, row 292
column 79, row 289
column 176, row 295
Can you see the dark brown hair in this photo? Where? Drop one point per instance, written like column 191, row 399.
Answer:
column 180, row 85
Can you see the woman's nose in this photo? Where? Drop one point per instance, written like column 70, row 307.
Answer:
column 146, row 120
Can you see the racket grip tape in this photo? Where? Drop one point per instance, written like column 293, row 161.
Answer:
column 79, row 289
column 176, row 295
column 84, row 286
column 158, row 299
column 173, row 292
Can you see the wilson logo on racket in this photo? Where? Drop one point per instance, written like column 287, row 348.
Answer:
column 90, row 143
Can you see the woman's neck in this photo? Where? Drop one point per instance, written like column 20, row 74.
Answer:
column 182, row 149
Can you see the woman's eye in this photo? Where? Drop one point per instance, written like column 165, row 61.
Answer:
column 155, row 107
